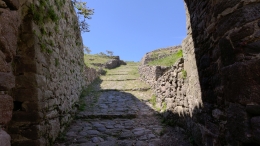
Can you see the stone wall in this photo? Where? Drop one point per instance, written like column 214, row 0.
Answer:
column 219, row 101
column 169, row 87
column 90, row 74
column 224, row 37
column 9, row 23
column 41, row 68
column 150, row 74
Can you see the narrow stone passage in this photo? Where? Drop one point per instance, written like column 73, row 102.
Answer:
column 118, row 113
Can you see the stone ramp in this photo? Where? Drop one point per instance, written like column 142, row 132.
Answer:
column 121, row 115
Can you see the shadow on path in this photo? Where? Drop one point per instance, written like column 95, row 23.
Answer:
column 119, row 118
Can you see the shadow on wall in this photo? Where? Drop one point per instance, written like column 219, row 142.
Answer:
column 221, row 57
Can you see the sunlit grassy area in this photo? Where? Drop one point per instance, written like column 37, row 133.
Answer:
column 90, row 59
column 157, row 53
column 167, row 61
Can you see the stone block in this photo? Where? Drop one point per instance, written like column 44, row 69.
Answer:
column 237, row 122
column 6, row 108
column 32, row 132
column 245, row 14
column 255, row 123
column 54, row 126
column 241, row 82
column 28, row 94
column 21, row 116
column 13, row 4
column 253, row 109
column 7, row 81
column 4, row 66
column 5, row 139
column 30, row 80
column 33, row 106
column 9, row 23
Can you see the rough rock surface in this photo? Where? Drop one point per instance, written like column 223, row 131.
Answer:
column 113, row 63
column 219, row 100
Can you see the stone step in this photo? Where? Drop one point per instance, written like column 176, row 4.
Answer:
column 137, row 89
column 107, row 116
column 120, row 79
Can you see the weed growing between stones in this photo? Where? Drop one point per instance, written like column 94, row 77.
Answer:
column 153, row 100
column 162, row 131
column 89, row 94
column 184, row 74
column 164, row 106
column 61, row 136
column 57, row 62
column 169, row 122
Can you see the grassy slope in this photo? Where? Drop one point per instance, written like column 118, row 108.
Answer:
column 89, row 59
column 167, row 61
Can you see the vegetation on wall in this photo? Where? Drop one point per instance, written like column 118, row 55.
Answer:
column 167, row 61
column 84, row 13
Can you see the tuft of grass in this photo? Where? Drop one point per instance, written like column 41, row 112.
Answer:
column 169, row 122
column 162, row 132
column 167, row 61
column 52, row 15
column 134, row 72
column 90, row 90
column 164, row 106
column 153, row 100
column 57, row 62
column 184, row 74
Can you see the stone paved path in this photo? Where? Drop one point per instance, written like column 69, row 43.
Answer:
column 118, row 113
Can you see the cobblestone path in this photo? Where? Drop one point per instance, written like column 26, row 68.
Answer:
column 118, row 113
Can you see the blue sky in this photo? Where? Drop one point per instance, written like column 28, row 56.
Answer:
column 131, row 28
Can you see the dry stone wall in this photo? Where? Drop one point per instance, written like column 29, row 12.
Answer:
column 219, row 100
column 225, row 43
column 41, row 67
column 9, row 23
column 150, row 74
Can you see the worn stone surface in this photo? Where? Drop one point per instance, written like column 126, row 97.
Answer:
column 120, row 118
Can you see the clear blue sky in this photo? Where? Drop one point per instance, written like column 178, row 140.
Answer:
column 131, row 28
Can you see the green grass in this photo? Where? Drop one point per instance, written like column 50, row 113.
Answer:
column 157, row 53
column 167, row 61
column 164, row 106
column 153, row 100
column 89, row 91
column 184, row 74
column 134, row 72
column 89, row 59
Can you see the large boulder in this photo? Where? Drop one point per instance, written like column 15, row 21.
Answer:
column 112, row 63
